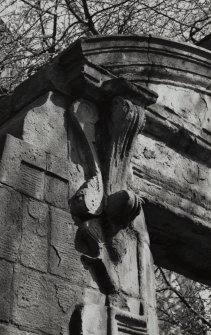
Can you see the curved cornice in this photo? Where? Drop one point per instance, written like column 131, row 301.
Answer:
column 143, row 59
column 82, row 68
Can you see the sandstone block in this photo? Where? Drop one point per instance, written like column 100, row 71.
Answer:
column 185, row 181
column 152, row 323
column 56, row 191
column 33, row 155
column 44, row 124
column 43, row 302
column 6, row 274
column 92, row 296
column 127, row 268
column 13, row 330
column 22, row 167
column 34, row 243
column 76, row 177
column 93, row 320
column 58, row 166
column 10, row 223
column 146, row 275
column 65, row 259
column 10, row 162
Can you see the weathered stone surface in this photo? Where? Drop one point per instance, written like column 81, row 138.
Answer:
column 44, row 124
column 19, row 160
column 43, row 302
column 139, row 95
column 31, row 181
column 85, row 80
column 35, row 230
column 147, row 286
column 185, row 108
column 6, row 277
column 145, row 58
column 152, row 326
column 94, row 320
column 56, row 191
column 65, row 258
column 146, row 276
column 58, row 166
column 10, row 223
column 124, row 322
column 92, row 296
column 189, row 107
column 13, row 330
column 76, row 177
column 127, row 269
column 83, row 117
column 158, row 165
column 33, row 155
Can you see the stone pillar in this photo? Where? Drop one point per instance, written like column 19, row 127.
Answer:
column 110, row 216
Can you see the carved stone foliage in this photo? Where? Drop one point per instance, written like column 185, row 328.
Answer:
column 125, row 120
column 104, row 208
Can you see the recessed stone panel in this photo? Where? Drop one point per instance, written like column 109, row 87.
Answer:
column 17, row 155
column 31, row 181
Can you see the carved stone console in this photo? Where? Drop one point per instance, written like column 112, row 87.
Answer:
column 109, row 215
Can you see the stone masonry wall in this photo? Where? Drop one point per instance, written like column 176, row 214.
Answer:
column 41, row 274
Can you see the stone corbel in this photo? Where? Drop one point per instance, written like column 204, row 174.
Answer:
column 124, row 122
column 106, row 134
column 117, row 125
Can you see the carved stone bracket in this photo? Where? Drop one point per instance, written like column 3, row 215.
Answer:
column 119, row 123
column 106, row 134
column 124, row 123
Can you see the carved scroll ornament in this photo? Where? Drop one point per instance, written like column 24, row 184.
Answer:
column 103, row 204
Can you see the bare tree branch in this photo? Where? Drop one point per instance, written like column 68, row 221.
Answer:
column 184, row 301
